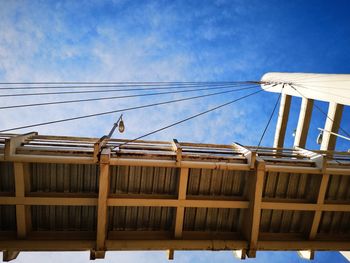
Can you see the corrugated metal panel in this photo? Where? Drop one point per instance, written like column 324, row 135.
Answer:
column 64, row 178
column 291, row 186
column 141, row 218
column 143, row 180
column 7, row 217
column 212, row 219
column 217, row 182
column 7, row 179
column 335, row 223
column 64, row 218
column 338, row 188
column 280, row 221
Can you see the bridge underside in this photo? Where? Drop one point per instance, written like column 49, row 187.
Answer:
column 71, row 194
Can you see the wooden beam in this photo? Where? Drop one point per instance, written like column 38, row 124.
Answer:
column 175, row 244
column 180, row 210
column 220, row 165
column 83, row 245
column 304, row 245
column 87, row 201
column 9, row 255
column 303, row 122
column 23, row 212
column 292, row 169
column 116, row 245
column 99, row 252
column 290, row 206
column 164, row 235
column 320, row 201
column 81, row 201
column 251, row 223
column 282, row 120
column 46, row 245
column 178, row 203
column 335, row 112
column 66, row 201
column 33, row 158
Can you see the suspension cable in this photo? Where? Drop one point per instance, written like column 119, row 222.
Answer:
column 118, row 97
column 270, row 118
column 190, row 118
column 99, row 91
column 324, row 113
column 114, row 111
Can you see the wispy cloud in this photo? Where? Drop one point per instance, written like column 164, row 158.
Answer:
column 78, row 42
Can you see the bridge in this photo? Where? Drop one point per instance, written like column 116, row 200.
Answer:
column 67, row 194
column 60, row 193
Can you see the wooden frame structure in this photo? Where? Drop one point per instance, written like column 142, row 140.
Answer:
column 186, row 197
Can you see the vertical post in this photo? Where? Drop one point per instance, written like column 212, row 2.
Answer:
column 180, row 210
column 322, row 164
column 335, row 112
column 303, row 122
column 282, row 120
column 100, row 250
column 23, row 215
column 251, row 224
column 22, row 181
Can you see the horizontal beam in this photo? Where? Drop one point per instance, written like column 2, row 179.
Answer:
column 305, row 207
column 67, row 201
column 304, row 245
column 47, row 245
column 176, row 203
column 83, row 245
column 85, row 201
column 290, row 206
column 175, row 244
column 182, row 164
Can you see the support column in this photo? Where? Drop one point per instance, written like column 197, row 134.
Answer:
column 22, row 184
column 303, row 122
column 282, row 120
column 180, row 210
column 322, row 164
column 100, row 250
column 251, row 223
column 335, row 112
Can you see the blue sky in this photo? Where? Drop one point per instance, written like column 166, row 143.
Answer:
column 172, row 41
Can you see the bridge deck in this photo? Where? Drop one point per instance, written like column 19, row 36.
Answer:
column 67, row 193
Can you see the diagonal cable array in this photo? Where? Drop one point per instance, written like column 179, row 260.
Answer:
column 129, row 109
column 114, row 90
column 124, row 85
column 270, row 118
column 121, row 97
column 318, row 108
column 190, row 118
